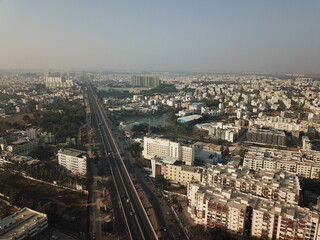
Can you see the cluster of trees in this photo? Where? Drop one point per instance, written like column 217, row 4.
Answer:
column 135, row 149
column 50, row 174
column 41, row 153
column 62, row 119
column 4, row 125
column 23, row 198
column 5, row 211
column 161, row 89
column 114, row 94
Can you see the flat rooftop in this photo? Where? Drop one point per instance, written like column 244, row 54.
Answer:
column 19, row 222
column 73, row 152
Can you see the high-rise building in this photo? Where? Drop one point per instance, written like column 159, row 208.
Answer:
column 145, row 81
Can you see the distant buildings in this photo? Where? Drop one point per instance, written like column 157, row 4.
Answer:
column 58, row 82
column 24, row 224
column 303, row 162
column 73, row 160
column 145, row 81
column 188, row 119
column 160, row 147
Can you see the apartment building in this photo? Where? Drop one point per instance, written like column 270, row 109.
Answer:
column 181, row 174
column 219, row 130
column 145, row 81
column 244, row 213
column 305, row 163
column 272, row 220
column 24, row 224
column 73, row 160
column 159, row 147
column 270, row 184
column 271, row 137
column 21, row 146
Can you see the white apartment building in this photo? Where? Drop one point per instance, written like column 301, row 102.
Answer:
column 159, row 147
column 73, row 160
column 242, row 212
column 270, row 184
column 22, row 147
column 24, row 224
column 305, row 163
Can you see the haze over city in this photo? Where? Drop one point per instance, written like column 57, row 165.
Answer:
column 211, row 36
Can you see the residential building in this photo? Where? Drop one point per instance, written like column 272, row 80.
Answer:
column 305, row 163
column 73, row 160
column 270, row 184
column 264, row 136
column 24, row 224
column 181, row 174
column 256, row 216
column 21, row 146
column 145, row 81
column 160, row 147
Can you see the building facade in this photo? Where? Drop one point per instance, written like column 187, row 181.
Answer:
column 24, row 224
column 73, row 160
column 159, row 147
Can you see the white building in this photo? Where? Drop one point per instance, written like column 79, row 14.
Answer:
column 24, row 224
column 303, row 162
column 159, row 147
column 73, row 160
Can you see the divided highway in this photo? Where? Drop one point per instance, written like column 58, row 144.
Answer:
column 135, row 217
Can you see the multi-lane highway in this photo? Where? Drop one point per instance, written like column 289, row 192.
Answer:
column 134, row 216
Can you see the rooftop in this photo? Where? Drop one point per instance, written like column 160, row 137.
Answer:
column 72, row 152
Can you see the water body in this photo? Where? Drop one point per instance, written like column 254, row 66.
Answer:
column 154, row 120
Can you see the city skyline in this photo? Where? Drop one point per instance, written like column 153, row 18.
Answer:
column 161, row 36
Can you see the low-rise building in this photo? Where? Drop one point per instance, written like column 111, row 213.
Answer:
column 73, row 160
column 24, row 224
column 264, row 136
column 21, row 146
column 270, row 184
column 303, row 162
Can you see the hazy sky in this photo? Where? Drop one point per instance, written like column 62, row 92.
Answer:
column 133, row 35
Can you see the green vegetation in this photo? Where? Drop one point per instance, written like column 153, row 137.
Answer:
column 5, row 211
column 114, row 94
column 135, row 150
column 5, row 125
column 312, row 185
column 62, row 119
column 41, row 153
column 161, row 89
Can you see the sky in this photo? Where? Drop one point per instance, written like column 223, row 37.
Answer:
column 167, row 35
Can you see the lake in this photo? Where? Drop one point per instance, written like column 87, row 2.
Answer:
column 154, row 121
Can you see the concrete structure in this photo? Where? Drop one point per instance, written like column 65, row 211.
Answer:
column 244, row 213
column 58, row 82
column 189, row 118
column 270, row 184
column 24, row 224
column 304, row 163
column 145, row 81
column 207, row 153
column 73, row 160
column 22, row 147
column 271, row 137
column 159, row 147
column 181, row 174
